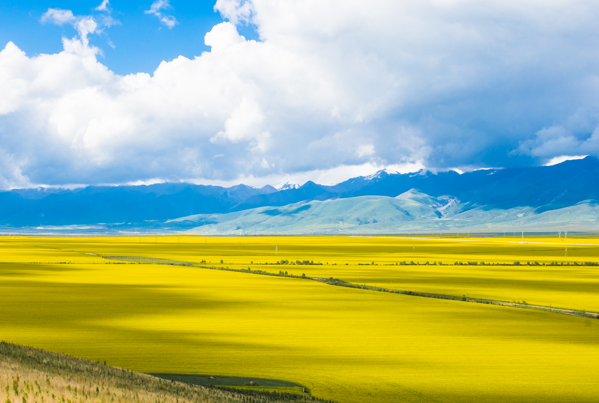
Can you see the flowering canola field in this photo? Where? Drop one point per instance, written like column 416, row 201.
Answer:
column 346, row 345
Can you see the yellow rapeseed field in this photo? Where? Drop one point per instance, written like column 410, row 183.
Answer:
column 347, row 345
column 575, row 287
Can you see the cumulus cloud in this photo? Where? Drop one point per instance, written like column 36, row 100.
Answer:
column 222, row 36
column 244, row 123
column 156, row 9
column 235, row 11
column 439, row 84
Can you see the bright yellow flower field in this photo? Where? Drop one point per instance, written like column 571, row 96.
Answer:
column 347, row 345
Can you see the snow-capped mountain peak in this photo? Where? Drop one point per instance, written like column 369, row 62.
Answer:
column 380, row 174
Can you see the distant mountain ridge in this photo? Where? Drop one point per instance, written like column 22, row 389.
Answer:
column 115, row 204
column 539, row 189
column 547, row 188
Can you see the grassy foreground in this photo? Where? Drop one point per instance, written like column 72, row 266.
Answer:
column 344, row 344
column 32, row 375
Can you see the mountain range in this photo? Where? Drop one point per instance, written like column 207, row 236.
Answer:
column 540, row 197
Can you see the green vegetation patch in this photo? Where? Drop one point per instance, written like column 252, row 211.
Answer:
column 212, row 380
column 265, row 385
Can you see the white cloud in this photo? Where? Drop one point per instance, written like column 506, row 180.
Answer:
column 84, row 25
column 365, row 150
column 169, row 21
column 58, row 16
column 80, row 46
column 244, row 123
column 222, row 36
column 326, row 89
column 156, row 9
column 559, row 143
column 103, row 6
column 235, row 11
column 157, row 6
column 563, row 158
column 11, row 175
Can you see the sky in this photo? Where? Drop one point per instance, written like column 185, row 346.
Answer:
column 264, row 92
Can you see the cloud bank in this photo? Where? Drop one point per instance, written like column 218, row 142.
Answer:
column 439, row 83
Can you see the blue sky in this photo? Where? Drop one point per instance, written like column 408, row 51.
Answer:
column 262, row 92
column 140, row 41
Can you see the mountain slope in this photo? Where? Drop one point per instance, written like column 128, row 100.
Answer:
column 412, row 211
column 340, row 215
